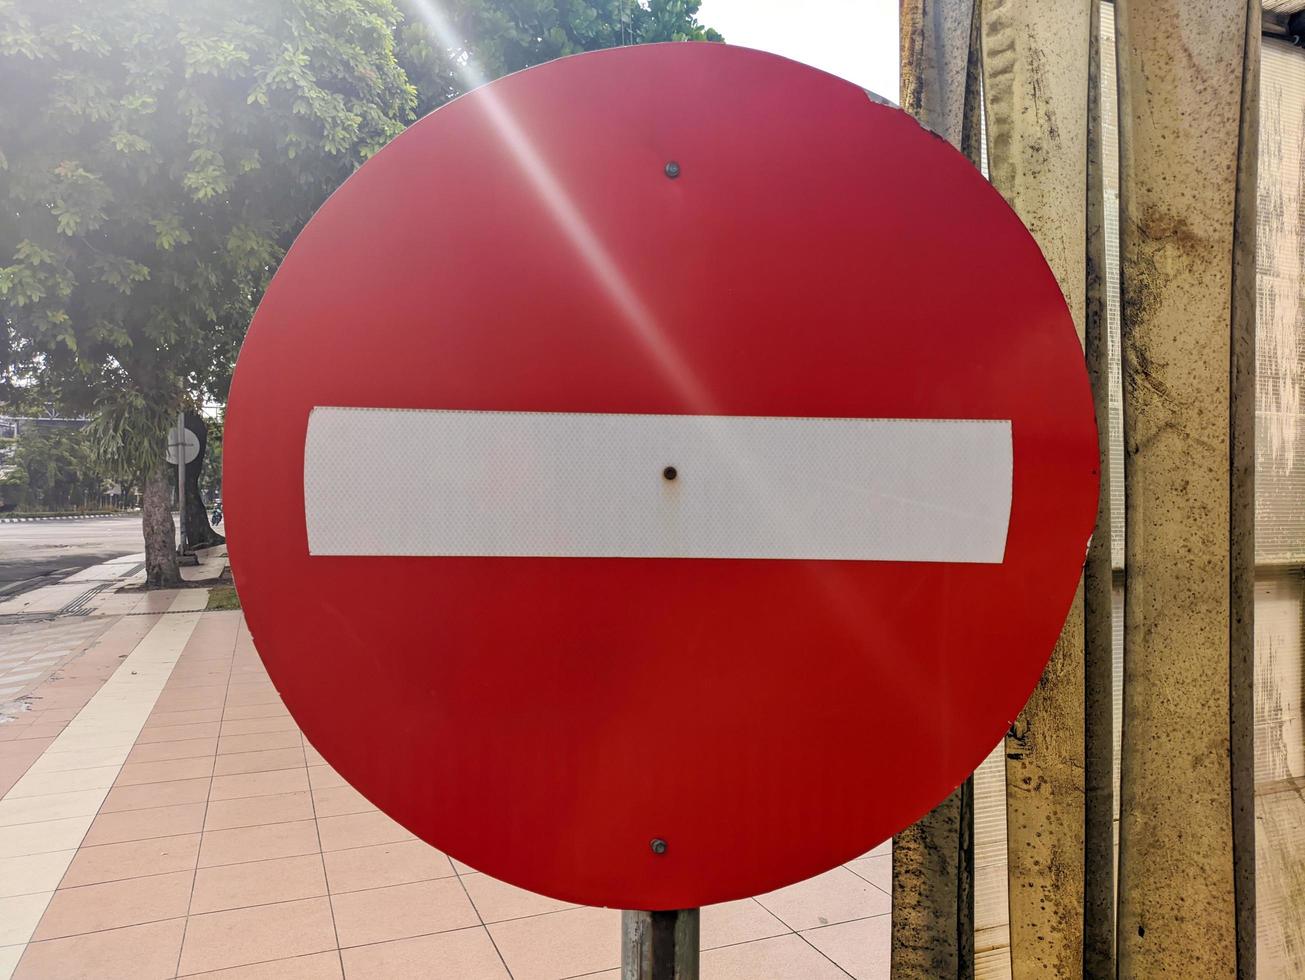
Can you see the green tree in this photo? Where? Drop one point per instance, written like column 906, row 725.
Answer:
column 55, row 469
column 503, row 36
column 156, row 160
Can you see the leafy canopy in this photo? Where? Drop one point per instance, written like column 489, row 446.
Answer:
column 156, row 160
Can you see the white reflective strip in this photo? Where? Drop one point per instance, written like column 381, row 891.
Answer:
column 399, row 482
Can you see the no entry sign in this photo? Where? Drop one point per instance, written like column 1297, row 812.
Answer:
column 660, row 476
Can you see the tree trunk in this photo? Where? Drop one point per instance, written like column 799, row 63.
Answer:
column 933, row 860
column 1036, row 89
column 160, row 536
column 1188, row 82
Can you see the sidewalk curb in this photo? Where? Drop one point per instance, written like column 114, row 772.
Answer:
column 67, row 517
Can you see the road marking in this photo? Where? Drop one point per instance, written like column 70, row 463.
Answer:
column 579, row 485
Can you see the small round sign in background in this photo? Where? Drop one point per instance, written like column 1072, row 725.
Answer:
column 659, row 476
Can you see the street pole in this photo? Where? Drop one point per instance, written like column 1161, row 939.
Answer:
column 659, row 945
column 181, row 482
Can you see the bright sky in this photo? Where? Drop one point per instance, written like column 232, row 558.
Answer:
column 856, row 39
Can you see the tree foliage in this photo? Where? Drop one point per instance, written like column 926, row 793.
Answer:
column 52, row 469
column 502, row 36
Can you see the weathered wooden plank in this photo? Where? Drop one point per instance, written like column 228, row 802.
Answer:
column 1036, row 88
column 1098, row 626
column 933, row 860
column 1188, row 72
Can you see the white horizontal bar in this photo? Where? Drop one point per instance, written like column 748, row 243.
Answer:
column 404, row 482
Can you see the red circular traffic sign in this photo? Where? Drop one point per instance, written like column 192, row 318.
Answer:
column 662, row 444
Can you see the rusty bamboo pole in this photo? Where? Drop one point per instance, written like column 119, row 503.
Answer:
column 1188, row 81
column 1037, row 90
column 933, row 860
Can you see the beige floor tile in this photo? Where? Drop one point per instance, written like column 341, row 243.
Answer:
column 147, row 952
column 497, row 900
column 148, row 795
column 314, row 966
column 133, row 901
column 219, row 940
column 67, row 760
column 29, row 873
column 260, row 843
column 54, row 806
column 188, row 748
column 260, row 742
column 112, row 862
column 19, row 915
column 131, row 825
column 401, row 911
column 560, row 944
column 264, row 761
column 877, row 869
column 68, row 781
column 37, row 838
column 467, row 954
column 781, row 958
column 339, row 800
column 259, row 784
column 384, row 864
column 134, row 773
column 835, row 896
column 862, row 948
column 359, row 830
column 251, row 811
column 738, row 922
column 9, row 957
column 258, row 883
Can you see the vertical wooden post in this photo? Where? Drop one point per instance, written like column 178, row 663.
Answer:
column 933, row 860
column 659, row 945
column 1037, row 88
column 1188, row 82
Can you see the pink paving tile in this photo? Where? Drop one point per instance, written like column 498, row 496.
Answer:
column 877, row 869
column 111, row 862
column 190, row 748
column 738, row 922
column 220, row 940
column 253, row 726
column 339, row 800
column 171, row 719
column 862, row 948
column 145, row 952
column 359, row 830
column 258, row 883
column 237, row 712
column 134, row 773
column 155, row 794
column 781, row 958
column 497, row 900
column 560, row 944
column 114, row 904
column 251, row 811
column 467, row 954
column 129, row 825
column 265, row 761
column 401, row 911
column 175, row 733
column 314, row 966
column 324, row 777
column 259, row 784
column 384, row 864
column 835, row 896
column 275, row 840
column 259, row 742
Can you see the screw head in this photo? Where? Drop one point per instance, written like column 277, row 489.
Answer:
column 670, row 473
column 672, row 170
column 658, row 845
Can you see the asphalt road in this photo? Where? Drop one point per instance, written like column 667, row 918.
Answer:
column 36, row 553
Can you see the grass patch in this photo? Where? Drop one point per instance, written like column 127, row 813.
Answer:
column 223, row 598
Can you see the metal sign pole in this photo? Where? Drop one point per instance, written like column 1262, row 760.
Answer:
column 659, row 945
column 181, row 482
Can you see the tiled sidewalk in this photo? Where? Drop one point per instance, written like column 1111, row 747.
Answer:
column 216, row 842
